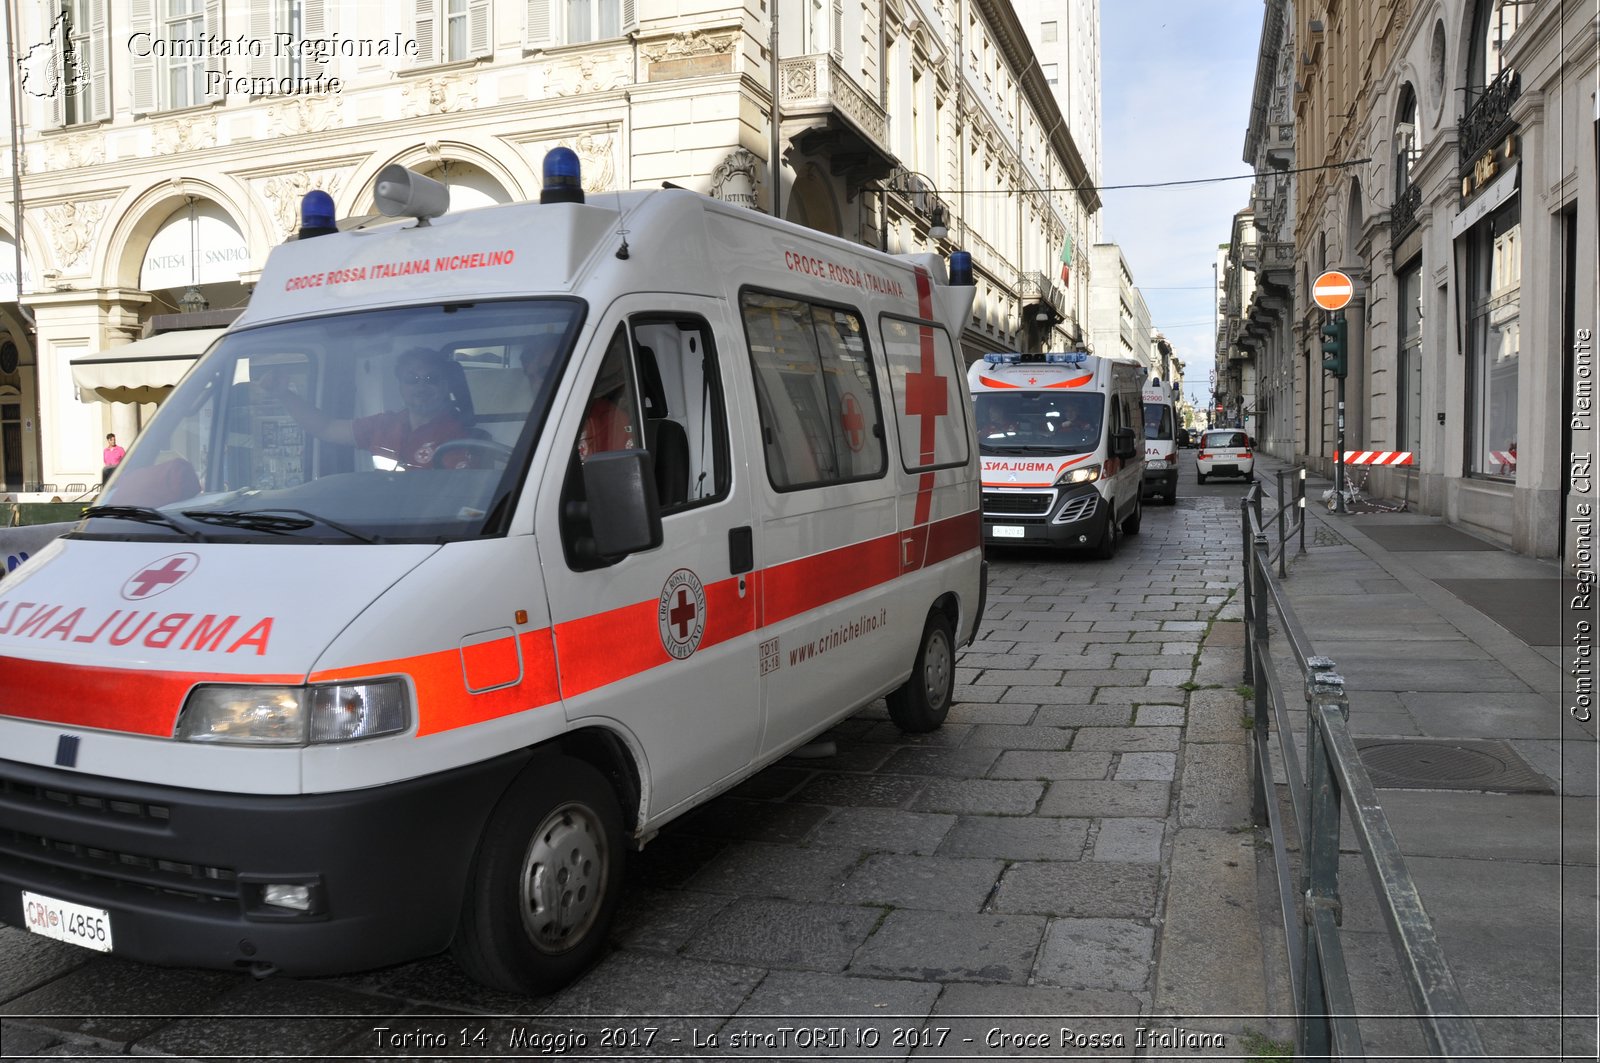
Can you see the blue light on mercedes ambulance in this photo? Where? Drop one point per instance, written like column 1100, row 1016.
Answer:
column 261, row 715
column 1066, row 357
column 1083, row 474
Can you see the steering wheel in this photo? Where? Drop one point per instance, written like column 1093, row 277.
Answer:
column 497, row 452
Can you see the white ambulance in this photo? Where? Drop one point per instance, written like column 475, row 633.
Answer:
column 473, row 553
column 1060, row 455
column 1160, row 441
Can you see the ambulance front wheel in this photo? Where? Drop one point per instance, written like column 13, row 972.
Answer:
column 924, row 701
column 546, row 881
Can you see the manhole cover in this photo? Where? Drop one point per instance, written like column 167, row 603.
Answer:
column 1449, row 765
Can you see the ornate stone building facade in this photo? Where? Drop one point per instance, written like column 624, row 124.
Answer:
column 162, row 149
column 1464, row 205
column 1264, row 347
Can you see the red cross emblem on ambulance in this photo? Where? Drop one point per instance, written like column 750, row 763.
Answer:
column 854, row 425
column 681, row 613
column 927, row 399
column 161, row 576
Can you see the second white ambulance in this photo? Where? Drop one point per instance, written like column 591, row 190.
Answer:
column 1160, row 441
column 1058, row 435
column 472, row 554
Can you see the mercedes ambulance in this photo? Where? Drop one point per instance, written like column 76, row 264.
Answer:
column 1160, row 441
column 1060, row 457
column 391, row 634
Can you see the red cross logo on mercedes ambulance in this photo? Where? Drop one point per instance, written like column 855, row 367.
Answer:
column 161, row 576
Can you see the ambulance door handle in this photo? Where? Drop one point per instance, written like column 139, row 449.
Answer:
column 741, row 550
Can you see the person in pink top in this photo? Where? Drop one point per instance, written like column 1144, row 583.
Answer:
column 437, row 411
column 111, row 457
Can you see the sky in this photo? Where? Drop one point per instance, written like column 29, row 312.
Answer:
column 1175, row 84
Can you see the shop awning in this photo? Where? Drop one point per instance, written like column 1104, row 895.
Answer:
column 143, row 371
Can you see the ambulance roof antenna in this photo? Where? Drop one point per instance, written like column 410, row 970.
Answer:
column 622, row 252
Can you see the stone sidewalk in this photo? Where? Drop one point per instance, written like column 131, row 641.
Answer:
column 1488, row 782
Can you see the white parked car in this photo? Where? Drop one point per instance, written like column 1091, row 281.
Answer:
column 1225, row 452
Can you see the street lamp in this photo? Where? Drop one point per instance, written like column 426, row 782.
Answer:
column 192, row 301
column 925, row 200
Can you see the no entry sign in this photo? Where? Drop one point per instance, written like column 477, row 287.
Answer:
column 1332, row 290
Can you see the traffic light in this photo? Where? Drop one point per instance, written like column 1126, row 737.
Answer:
column 1335, row 348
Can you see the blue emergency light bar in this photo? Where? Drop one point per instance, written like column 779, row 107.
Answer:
column 1051, row 357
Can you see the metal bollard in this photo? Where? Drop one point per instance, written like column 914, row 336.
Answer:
column 1283, row 513
column 1300, row 503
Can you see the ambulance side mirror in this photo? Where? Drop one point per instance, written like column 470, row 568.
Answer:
column 1123, row 443
column 621, row 489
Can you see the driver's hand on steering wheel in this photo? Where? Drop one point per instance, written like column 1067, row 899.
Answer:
column 469, row 453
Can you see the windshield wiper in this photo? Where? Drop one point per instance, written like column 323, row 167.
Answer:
column 1019, row 448
column 271, row 520
column 144, row 515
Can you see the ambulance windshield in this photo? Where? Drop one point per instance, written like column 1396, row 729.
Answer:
column 1157, row 420
column 1056, row 422
column 404, row 425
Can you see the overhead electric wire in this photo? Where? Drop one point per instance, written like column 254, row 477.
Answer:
column 1252, row 175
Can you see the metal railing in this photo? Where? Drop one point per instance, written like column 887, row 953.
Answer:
column 1334, row 780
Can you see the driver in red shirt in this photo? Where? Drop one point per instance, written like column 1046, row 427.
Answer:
column 437, row 410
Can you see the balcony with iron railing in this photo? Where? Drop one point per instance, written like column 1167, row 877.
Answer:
column 1036, row 287
column 1403, row 215
column 1488, row 118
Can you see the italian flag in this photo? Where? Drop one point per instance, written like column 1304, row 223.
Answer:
column 1066, row 260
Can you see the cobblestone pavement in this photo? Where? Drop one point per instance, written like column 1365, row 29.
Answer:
column 1067, row 853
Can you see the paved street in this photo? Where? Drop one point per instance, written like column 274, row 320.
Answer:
column 1067, row 846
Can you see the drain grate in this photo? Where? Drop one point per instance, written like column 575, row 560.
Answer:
column 1449, row 764
column 1322, row 535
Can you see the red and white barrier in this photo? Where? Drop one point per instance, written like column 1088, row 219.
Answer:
column 1507, row 458
column 1377, row 457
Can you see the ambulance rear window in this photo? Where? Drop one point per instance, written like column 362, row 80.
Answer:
column 816, row 392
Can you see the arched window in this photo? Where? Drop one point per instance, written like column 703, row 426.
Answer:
column 1407, row 146
column 1493, row 23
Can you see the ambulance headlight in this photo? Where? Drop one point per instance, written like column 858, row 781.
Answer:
column 294, row 715
column 1083, row 474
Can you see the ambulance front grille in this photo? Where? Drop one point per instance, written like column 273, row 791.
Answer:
column 1017, row 504
column 198, row 882
column 81, row 802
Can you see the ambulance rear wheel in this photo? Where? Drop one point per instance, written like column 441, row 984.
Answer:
column 1132, row 524
column 924, row 701
column 546, row 882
